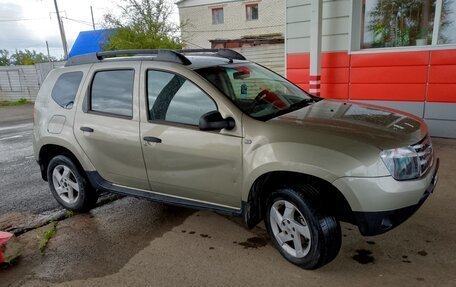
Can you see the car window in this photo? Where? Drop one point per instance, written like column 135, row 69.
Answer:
column 112, row 92
column 173, row 98
column 65, row 89
column 257, row 91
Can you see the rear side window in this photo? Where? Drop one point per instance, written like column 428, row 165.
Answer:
column 65, row 89
column 112, row 92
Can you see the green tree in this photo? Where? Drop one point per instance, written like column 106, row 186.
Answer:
column 27, row 57
column 142, row 24
column 5, row 58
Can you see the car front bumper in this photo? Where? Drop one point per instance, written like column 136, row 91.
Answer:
column 380, row 204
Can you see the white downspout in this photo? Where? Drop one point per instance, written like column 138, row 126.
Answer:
column 315, row 46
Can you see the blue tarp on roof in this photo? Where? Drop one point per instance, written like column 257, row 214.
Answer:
column 90, row 42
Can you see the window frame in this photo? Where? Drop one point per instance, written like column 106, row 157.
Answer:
column 356, row 33
column 247, row 12
column 114, row 115
column 165, row 122
column 223, row 15
column 77, row 90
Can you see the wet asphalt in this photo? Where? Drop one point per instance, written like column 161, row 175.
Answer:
column 23, row 194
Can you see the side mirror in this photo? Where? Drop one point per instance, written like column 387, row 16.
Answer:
column 213, row 121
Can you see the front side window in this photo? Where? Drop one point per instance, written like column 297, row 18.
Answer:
column 65, row 89
column 217, row 16
column 112, row 92
column 397, row 23
column 251, row 12
column 258, row 92
column 173, row 98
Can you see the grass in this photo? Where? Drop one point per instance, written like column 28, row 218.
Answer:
column 69, row 214
column 47, row 236
column 17, row 103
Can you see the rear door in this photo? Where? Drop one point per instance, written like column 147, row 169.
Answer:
column 184, row 161
column 107, row 124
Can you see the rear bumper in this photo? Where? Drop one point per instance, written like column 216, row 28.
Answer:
column 374, row 223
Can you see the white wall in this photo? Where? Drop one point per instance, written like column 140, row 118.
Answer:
column 335, row 26
column 270, row 56
column 199, row 29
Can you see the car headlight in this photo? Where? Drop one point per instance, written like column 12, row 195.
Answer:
column 402, row 163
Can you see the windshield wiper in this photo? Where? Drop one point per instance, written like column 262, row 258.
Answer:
column 291, row 108
column 300, row 104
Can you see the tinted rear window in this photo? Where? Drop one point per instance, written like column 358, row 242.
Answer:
column 65, row 89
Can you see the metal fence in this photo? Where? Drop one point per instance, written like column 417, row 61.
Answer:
column 23, row 82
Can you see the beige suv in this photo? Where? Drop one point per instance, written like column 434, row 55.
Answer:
column 210, row 130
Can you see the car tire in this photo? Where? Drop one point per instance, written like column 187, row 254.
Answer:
column 69, row 186
column 299, row 229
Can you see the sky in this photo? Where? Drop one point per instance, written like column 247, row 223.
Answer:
column 28, row 24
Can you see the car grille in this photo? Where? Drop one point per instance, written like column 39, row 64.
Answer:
column 425, row 153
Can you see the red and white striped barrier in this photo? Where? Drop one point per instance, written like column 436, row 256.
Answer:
column 314, row 85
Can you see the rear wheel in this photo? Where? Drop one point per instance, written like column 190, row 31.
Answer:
column 68, row 186
column 299, row 229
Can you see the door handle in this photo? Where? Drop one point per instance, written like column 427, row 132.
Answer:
column 86, row 129
column 152, row 139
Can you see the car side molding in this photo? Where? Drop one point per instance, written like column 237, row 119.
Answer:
column 100, row 184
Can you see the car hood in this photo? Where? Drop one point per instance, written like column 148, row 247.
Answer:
column 382, row 127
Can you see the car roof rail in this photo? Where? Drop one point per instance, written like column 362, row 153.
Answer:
column 160, row 55
column 224, row 53
column 174, row 56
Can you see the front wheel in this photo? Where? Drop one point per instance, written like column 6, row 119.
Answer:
column 299, row 229
column 68, row 185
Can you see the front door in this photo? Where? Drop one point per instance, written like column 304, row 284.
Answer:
column 107, row 125
column 181, row 160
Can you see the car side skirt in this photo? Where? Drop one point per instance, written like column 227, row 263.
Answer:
column 100, row 184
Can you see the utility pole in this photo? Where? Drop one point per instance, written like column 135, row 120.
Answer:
column 62, row 31
column 93, row 22
column 49, row 54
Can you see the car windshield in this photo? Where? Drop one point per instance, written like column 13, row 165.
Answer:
column 257, row 91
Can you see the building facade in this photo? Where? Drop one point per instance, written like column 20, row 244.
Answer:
column 206, row 20
column 400, row 54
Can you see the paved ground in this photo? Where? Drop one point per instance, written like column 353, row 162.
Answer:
column 23, row 195
column 135, row 242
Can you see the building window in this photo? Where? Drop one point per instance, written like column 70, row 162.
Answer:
column 251, row 12
column 217, row 16
column 398, row 23
column 447, row 29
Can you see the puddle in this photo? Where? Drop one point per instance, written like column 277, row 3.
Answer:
column 363, row 256
column 205, row 236
column 422, row 253
column 253, row 243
